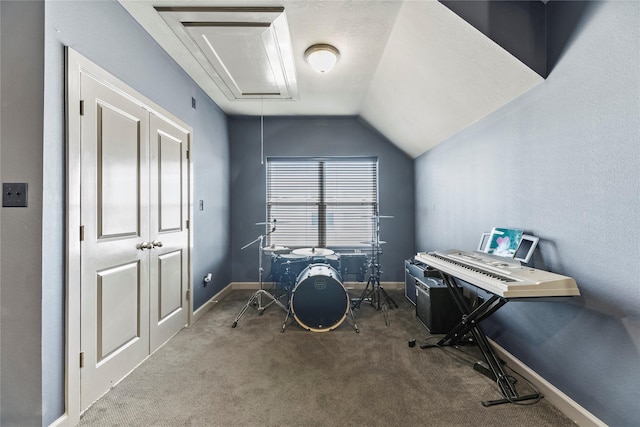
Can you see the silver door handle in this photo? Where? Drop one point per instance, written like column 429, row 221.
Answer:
column 156, row 244
column 145, row 245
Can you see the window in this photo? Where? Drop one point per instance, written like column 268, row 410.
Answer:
column 322, row 202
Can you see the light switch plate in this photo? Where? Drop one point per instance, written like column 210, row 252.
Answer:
column 14, row 194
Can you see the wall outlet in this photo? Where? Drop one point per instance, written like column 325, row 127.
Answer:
column 207, row 279
column 14, row 194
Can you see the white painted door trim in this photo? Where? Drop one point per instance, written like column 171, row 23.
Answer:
column 76, row 66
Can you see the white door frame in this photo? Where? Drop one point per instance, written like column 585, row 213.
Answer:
column 76, row 66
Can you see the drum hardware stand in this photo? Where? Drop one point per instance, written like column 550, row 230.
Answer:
column 257, row 296
column 376, row 293
column 287, row 283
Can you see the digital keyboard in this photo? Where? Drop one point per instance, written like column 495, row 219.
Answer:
column 504, row 277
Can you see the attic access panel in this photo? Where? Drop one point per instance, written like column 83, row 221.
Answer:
column 245, row 50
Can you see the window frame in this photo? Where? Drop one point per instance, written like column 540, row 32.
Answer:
column 320, row 236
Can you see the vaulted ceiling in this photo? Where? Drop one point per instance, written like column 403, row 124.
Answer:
column 414, row 70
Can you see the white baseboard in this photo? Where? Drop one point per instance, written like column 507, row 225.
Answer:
column 204, row 308
column 248, row 285
column 557, row 398
column 63, row 421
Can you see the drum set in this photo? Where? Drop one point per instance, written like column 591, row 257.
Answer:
column 311, row 280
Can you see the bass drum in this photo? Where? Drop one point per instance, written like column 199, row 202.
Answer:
column 319, row 302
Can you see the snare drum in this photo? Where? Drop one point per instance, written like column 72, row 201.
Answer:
column 285, row 268
column 319, row 302
column 333, row 261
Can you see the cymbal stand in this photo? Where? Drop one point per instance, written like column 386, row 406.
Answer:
column 373, row 291
column 256, row 298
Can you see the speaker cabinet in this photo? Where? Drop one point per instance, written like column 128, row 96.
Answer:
column 412, row 271
column 435, row 307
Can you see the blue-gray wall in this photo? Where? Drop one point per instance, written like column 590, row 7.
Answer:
column 21, row 151
column 320, row 136
column 562, row 161
column 106, row 34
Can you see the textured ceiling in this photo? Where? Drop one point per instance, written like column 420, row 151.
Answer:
column 414, row 70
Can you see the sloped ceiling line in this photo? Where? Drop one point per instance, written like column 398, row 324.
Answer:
column 517, row 26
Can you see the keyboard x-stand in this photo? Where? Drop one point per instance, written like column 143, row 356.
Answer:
column 469, row 323
column 503, row 279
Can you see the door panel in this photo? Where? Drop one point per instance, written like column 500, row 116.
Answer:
column 169, row 280
column 118, row 316
column 118, row 172
column 169, row 205
column 114, row 312
column 170, row 182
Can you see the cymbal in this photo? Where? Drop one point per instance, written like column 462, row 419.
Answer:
column 275, row 249
column 377, row 216
column 313, row 251
column 371, row 242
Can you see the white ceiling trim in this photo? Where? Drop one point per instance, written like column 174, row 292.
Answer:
column 245, row 50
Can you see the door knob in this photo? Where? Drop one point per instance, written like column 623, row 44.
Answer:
column 145, row 245
column 156, row 244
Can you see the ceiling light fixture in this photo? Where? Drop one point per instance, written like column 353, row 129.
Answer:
column 322, row 57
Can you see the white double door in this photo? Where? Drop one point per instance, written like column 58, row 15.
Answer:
column 135, row 243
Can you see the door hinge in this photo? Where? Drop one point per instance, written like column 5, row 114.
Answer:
column 82, row 359
column 82, row 107
column 187, row 154
column 82, row 233
column 187, row 224
column 188, row 294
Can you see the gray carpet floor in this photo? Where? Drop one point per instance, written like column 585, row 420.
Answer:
column 210, row 374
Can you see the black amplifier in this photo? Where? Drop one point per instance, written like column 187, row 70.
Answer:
column 435, row 306
column 415, row 270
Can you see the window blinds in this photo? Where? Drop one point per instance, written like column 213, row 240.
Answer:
column 322, row 202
